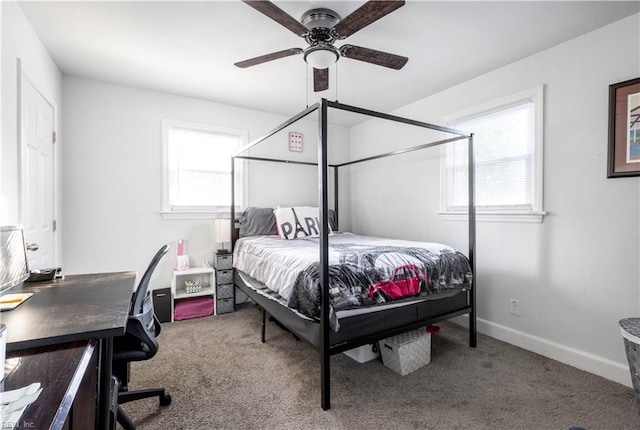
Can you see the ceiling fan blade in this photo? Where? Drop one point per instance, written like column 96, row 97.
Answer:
column 278, row 15
column 372, row 56
column 320, row 80
column 369, row 12
column 268, row 57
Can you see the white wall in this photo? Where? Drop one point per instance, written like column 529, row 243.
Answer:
column 19, row 41
column 112, row 175
column 576, row 274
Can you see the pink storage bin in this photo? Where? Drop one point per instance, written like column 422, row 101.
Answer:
column 194, row 307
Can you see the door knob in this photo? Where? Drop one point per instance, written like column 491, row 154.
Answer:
column 32, row 246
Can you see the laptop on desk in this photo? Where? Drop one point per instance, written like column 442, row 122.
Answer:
column 14, row 269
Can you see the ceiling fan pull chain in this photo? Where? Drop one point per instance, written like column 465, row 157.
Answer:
column 336, row 82
column 306, row 89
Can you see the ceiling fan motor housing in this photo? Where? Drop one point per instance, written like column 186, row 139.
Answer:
column 320, row 22
column 320, row 17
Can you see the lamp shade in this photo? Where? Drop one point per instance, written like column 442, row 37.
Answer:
column 222, row 230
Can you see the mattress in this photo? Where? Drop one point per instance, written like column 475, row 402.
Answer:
column 364, row 271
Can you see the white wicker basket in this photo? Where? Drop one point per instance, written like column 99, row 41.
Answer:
column 406, row 352
column 630, row 328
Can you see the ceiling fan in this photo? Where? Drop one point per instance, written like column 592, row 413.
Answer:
column 321, row 28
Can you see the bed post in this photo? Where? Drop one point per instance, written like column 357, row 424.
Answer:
column 472, row 244
column 232, row 211
column 335, row 196
column 323, row 200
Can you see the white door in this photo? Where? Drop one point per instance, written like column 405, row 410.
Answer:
column 37, row 174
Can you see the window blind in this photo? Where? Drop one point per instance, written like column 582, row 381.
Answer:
column 504, row 143
column 199, row 167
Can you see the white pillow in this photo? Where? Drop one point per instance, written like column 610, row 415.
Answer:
column 298, row 221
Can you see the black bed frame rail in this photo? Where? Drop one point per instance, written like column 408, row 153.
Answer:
column 365, row 340
column 325, row 348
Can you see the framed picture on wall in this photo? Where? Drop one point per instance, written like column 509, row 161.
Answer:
column 624, row 129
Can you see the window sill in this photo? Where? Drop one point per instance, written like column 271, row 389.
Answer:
column 496, row 216
column 173, row 215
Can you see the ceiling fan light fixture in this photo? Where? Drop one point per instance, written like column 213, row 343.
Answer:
column 321, row 56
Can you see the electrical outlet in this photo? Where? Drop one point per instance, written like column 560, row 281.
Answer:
column 514, row 307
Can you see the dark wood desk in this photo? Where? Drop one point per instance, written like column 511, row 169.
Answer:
column 78, row 308
column 68, row 376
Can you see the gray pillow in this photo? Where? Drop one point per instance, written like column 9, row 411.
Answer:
column 257, row 221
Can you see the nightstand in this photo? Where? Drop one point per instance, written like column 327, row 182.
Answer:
column 225, row 291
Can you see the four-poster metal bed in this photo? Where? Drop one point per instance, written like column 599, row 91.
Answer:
column 393, row 321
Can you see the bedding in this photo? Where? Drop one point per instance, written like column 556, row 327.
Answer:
column 256, row 221
column 363, row 270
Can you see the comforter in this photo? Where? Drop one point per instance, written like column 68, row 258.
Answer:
column 363, row 270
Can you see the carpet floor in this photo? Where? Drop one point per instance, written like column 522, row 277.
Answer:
column 220, row 376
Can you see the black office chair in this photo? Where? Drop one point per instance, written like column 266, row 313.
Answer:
column 139, row 343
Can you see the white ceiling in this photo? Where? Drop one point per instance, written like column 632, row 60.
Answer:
column 188, row 48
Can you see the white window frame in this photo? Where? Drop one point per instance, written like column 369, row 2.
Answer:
column 167, row 211
column 536, row 214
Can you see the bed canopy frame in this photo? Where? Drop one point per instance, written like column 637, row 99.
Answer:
column 325, row 347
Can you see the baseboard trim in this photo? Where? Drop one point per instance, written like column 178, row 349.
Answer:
column 582, row 360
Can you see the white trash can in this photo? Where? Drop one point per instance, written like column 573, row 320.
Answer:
column 630, row 328
column 3, row 347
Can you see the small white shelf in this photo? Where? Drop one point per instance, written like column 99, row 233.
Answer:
column 193, row 271
column 205, row 276
column 205, row 291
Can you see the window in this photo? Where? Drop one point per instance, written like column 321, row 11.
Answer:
column 508, row 155
column 197, row 168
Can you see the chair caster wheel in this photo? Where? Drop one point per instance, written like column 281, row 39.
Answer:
column 165, row 400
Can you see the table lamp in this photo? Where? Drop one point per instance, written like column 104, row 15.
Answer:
column 222, row 233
